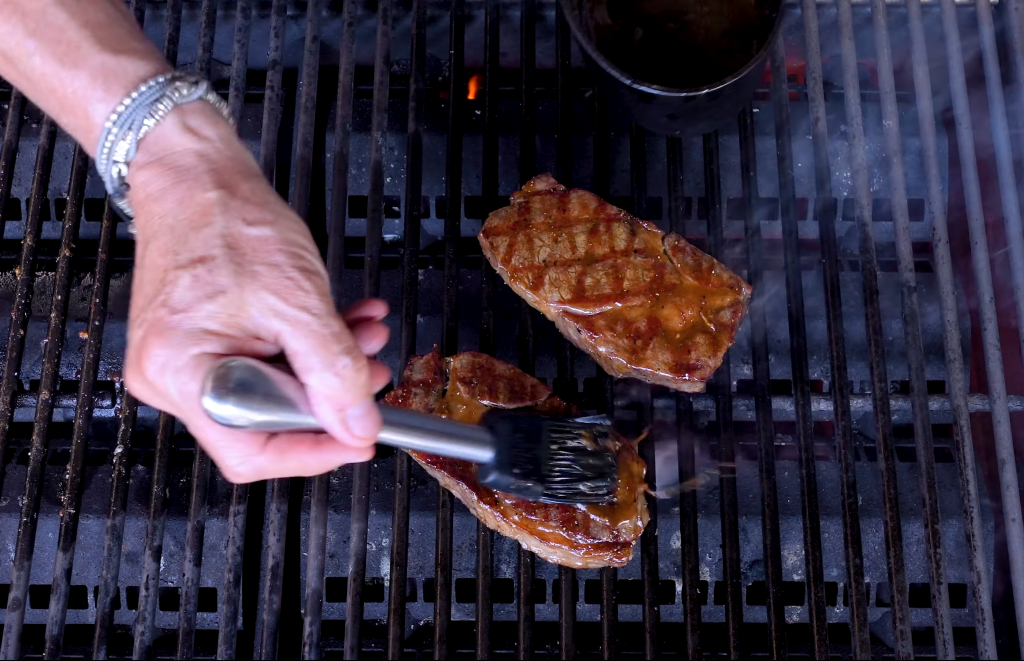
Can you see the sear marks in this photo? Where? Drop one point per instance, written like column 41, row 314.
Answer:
column 463, row 387
column 643, row 304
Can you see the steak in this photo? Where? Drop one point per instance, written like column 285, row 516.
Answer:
column 464, row 387
column 642, row 303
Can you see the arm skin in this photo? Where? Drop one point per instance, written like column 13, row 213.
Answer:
column 223, row 266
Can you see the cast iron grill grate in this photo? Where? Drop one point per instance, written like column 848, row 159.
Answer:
column 837, row 508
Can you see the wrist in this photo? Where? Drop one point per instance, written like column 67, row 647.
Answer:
column 192, row 152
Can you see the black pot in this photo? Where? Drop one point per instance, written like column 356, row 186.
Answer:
column 715, row 79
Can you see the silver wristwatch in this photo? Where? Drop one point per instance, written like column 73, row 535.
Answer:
column 135, row 116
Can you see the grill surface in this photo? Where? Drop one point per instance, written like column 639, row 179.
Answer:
column 855, row 486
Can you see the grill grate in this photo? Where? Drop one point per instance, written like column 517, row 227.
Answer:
column 852, row 451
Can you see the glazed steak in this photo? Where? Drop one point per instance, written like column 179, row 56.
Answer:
column 464, row 387
column 643, row 304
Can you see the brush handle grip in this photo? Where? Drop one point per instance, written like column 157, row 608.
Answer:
column 245, row 393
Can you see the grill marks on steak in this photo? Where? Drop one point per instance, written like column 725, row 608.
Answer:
column 464, row 387
column 642, row 303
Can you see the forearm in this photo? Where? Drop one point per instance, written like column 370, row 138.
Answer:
column 75, row 59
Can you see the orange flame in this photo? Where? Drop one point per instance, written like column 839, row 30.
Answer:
column 474, row 86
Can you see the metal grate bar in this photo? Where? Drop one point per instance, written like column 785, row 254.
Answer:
column 207, row 32
column 108, row 590
column 567, row 611
column 15, row 342
column 273, row 94
column 149, row 589
column 305, row 129
column 488, row 339
column 565, row 352
column 869, row 271
column 1002, row 432
column 687, row 454
column 238, row 518
column 489, row 184
column 234, row 553
column 1000, row 127
column 527, row 356
column 1015, row 242
column 453, row 178
column 528, row 71
column 565, row 382
column 196, row 531
column 414, row 184
column 61, row 584
column 723, row 398
column 107, row 594
column 826, row 215
column 8, row 156
column 450, row 311
column 17, row 601
column 527, row 169
column 342, row 147
column 172, row 27
column 602, row 177
column 1015, row 46
column 840, row 387
column 651, row 613
column 272, row 570
column 801, row 387
column 239, row 58
column 443, row 573
column 980, row 585
column 316, row 550
column 912, row 329
column 371, row 288
column 869, row 277
column 563, row 99
column 275, row 553
column 765, row 426
column 524, row 599
column 410, row 306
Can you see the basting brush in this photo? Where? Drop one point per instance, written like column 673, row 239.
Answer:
column 536, row 457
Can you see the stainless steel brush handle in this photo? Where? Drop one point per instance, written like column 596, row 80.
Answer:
column 245, row 393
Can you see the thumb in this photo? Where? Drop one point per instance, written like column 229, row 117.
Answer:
column 337, row 376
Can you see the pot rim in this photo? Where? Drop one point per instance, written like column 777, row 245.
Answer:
column 571, row 12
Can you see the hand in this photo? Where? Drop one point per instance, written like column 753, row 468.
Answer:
column 224, row 267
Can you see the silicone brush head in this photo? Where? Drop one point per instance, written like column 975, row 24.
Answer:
column 551, row 460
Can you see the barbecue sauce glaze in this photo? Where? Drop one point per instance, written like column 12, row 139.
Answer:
column 642, row 303
column 575, row 536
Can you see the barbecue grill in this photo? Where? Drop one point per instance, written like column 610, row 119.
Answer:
column 852, row 480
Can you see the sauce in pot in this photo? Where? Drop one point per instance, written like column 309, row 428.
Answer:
column 680, row 44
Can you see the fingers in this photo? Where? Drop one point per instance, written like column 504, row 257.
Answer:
column 330, row 361
column 380, row 375
column 244, row 457
column 371, row 336
column 373, row 309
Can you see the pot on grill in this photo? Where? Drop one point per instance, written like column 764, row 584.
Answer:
column 680, row 67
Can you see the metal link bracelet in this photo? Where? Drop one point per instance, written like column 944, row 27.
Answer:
column 134, row 117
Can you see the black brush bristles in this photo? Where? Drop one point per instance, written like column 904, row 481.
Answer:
column 551, row 460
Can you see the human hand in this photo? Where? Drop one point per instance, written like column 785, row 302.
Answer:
column 224, row 267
